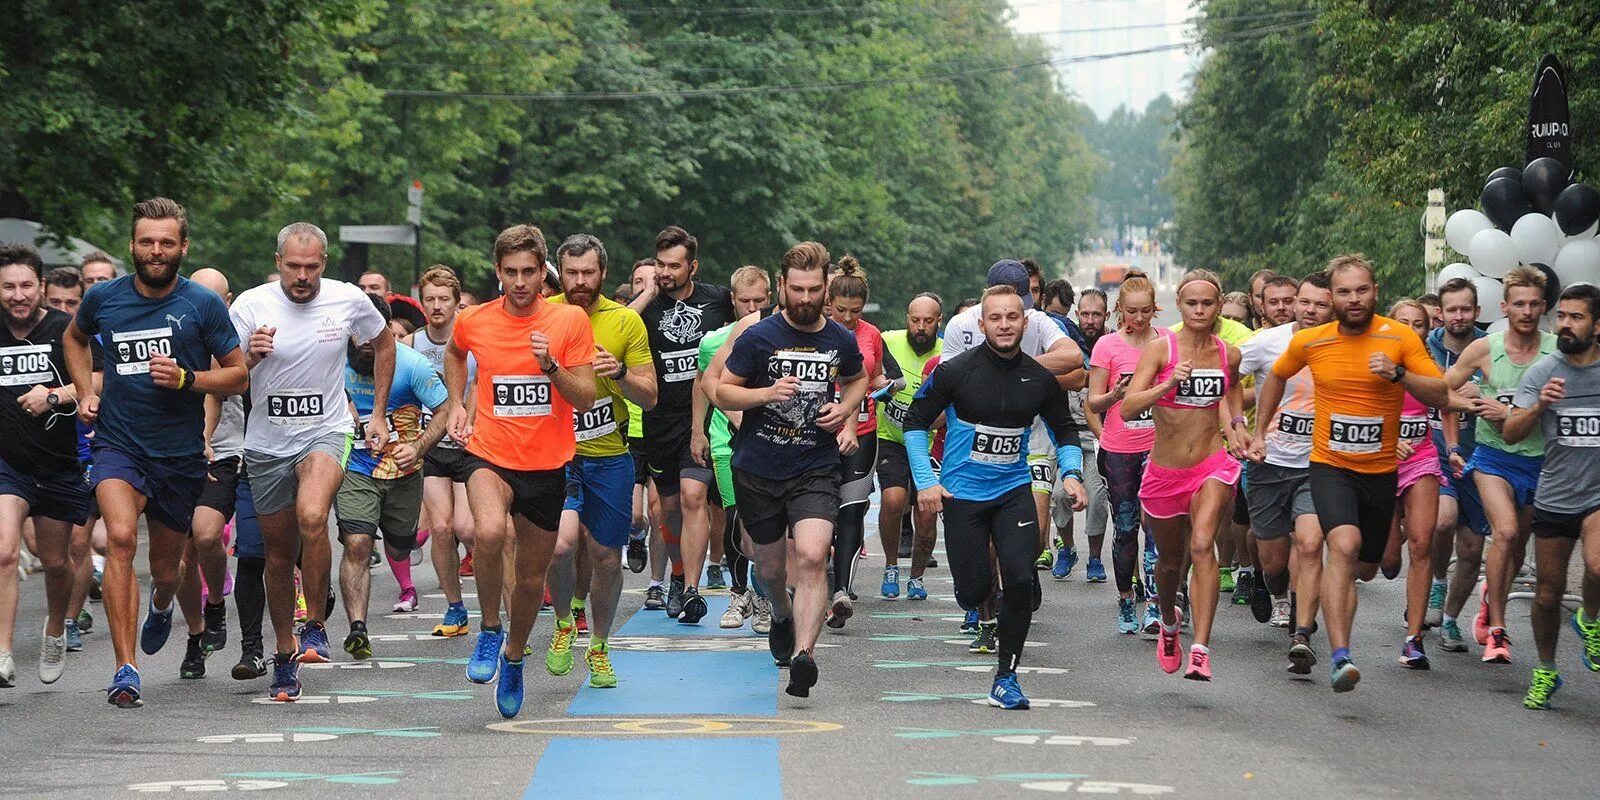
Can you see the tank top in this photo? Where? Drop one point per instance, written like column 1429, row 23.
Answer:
column 892, row 414
column 1204, row 388
column 1501, row 383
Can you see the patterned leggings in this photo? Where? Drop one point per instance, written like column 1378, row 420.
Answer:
column 1123, row 473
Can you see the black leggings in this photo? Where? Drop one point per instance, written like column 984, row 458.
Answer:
column 855, row 492
column 738, row 563
column 1009, row 524
column 250, row 597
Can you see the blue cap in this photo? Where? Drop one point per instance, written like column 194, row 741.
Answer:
column 1010, row 272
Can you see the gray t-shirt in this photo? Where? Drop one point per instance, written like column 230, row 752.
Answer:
column 1571, row 434
column 228, row 440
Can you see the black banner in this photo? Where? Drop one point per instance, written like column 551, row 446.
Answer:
column 1548, row 118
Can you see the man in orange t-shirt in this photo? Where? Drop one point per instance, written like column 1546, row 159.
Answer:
column 1361, row 367
column 534, row 369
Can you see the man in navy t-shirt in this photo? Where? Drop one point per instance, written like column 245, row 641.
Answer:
column 159, row 334
column 781, row 372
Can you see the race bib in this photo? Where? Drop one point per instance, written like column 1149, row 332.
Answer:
column 815, row 370
column 991, row 445
column 1578, row 427
column 131, row 351
column 521, row 395
column 1146, row 419
column 1356, row 435
column 361, row 430
column 865, row 413
column 1436, row 420
column 26, row 365
column 1043, row 473
column 678, row 366
column 293, row 408
column 897, row 412
column 1413, row 429
column 1203, row 388
column 1295, row 427
column 597, row 421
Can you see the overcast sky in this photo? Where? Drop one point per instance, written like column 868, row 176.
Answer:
column 1129, row 80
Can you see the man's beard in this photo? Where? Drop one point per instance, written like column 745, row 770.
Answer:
column 577, row 296
column 921, row 342
column 1572, row 345
column 804, row 314
column 148, row 272
column 359, row 361
column 1092, row 331
column 1344, row 316
column 1466, row 328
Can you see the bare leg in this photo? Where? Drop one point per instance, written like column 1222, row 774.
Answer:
column 1338, row 584
column 1422, row 509
column 535, row 546
column 812, row 540
column 355, row 577
column 489, row 497
column 120, row 507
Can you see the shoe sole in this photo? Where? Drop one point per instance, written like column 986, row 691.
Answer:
column 1197, row 676
column 1346, row 681
column 1301, row 661
column 692, row 616
column 449, row 631
column 1459, row 647
column 1497, row 660
column 1420, row 665
column 802, row 677
column 549, row 669
column 243, row 672
column 284, row 697
column 310, row 656
column 593, row 685
column 125, row 699
column 1023, row 706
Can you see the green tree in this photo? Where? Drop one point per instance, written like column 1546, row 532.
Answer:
column 1137, row 148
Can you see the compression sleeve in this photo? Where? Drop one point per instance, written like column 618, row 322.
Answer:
column 922, row 465
column 1069, row 457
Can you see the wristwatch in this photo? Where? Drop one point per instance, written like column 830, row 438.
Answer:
column 1074, row 474
column 554, row 367
column 53, row 400
column 1399, row 372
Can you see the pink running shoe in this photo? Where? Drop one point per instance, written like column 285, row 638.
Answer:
column 1169, row 651
column 1199, row 665
column 1480, row 624
column 407, row 602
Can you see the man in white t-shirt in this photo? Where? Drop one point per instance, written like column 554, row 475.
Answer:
column 1044, row 341
column 299, row 431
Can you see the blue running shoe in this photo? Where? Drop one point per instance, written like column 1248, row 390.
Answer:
column 285, row 679
column 1152, row 621
column 486, row 655
column 970, row 624
column 1094, row 571
column 157, row 625
column 74, row 636
column 915, row 590
column 1345, row 675
column 1588, row 631
column 124, row 689
column 1127, row 620
column 455, row 622
column 313, row 644
column 508, row 693
column 1065, row 560
column 1007, row 694
column 891, row 583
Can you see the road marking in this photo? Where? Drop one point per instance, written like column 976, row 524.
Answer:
column 314, row 700
column 369, row 664
column 163, row 787
column 657, row 726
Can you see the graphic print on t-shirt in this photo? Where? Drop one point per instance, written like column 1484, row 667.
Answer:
column 793, row 421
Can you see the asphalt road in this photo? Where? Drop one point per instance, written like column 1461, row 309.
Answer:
column 895, row 716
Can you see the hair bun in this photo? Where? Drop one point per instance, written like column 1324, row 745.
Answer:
column 850, row 265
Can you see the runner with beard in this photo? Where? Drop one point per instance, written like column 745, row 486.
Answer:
column 1361, row 365
column 781, row 372
column 911, row 349
column 678, row 311
column 162, row 333
column 1091, row 326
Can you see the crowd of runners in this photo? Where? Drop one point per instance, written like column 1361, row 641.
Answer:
column 1272, row 449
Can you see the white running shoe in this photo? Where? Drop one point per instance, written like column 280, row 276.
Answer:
column 52, row 658
column 762, row 624
column 738, row 610
column 8, row 670
column 1280, row 613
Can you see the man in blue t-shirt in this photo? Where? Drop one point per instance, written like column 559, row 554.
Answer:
column 781, row 373
column 160, row 333
column 383, row 490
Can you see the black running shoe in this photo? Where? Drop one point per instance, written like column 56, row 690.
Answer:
column 251, row 663
column 802, row 675
column 675, row 598
column 215, row 636
column 780, row 641
column 194, row 659
column 1261, row 602
column 694, row 607
column 654, row 599
column 637, row 557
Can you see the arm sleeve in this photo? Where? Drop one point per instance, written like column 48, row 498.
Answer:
column 1293, row 359
column 220, row 336
column 1533, row 381
column 638, row 352
column 891, row 367
column 921, row 465
column 1414, row 354
column 1057, row 416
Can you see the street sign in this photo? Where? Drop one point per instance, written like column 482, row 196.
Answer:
column 414, row 194
column 414, row 215
column 379, row 234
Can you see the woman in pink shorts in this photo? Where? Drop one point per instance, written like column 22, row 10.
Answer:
column 1419, row 482
column 1192, row 381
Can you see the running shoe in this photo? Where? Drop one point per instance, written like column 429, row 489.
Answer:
column 251, row 665
column 1151, row 627
column 1589, row 632
column 738, row 611
column 780, row 641
column 194, row 658
column 988, row 639
column 675, row 597
column 1345, row 676
column 85, row 621
column 558, row 659
column 1045, row 561
column 580, row 620
column 314, row 644
column 1412, row 656
column 1498, row 650
column 1127, row 620
column 694, row 607
column 508, row 693
column 969, row 624
column 1066, row 559
column 1094, row 571
column 8, row 670
column 94, row 586
column 301, row 613
column 916, row 590
column 466, row 566
column 215, row 635
column 1436, row 593
column 761, row 618
column 486, row 655
column 1169, row 650
column 1301, row 657
column 601, row 675
column 544, row 605
column 157, row 627
column 1450, row 638
column 714, row 579
column 74, row 636
column 802, row 675
column 123, row 691
column 1244, row 587
column 1282, row 614
column 890, row 589
column 422, row 544
column 455, row 622
column 840, row 611
column 407, row 602
column 638, row 558
column 655, row 598
column 1225, row 579
column 52, row 658
column 1544, row 686
column 1199, row 665
column 1261, row 602
column 358, row 644
column 374, row 559
column 1480, row 623
column 1182, row 602
column 1007, row 694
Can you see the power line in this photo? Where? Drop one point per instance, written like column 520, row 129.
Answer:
column 661, row 94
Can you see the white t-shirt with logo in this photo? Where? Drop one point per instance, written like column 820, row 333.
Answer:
column 297, row 392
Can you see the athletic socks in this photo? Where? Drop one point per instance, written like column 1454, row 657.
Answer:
column 402, row 571
column 1341, row 654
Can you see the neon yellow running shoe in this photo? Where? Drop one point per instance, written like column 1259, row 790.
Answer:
column 601, row 675
column 1589, row 631
column 559, row 658
column 1544, row 686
